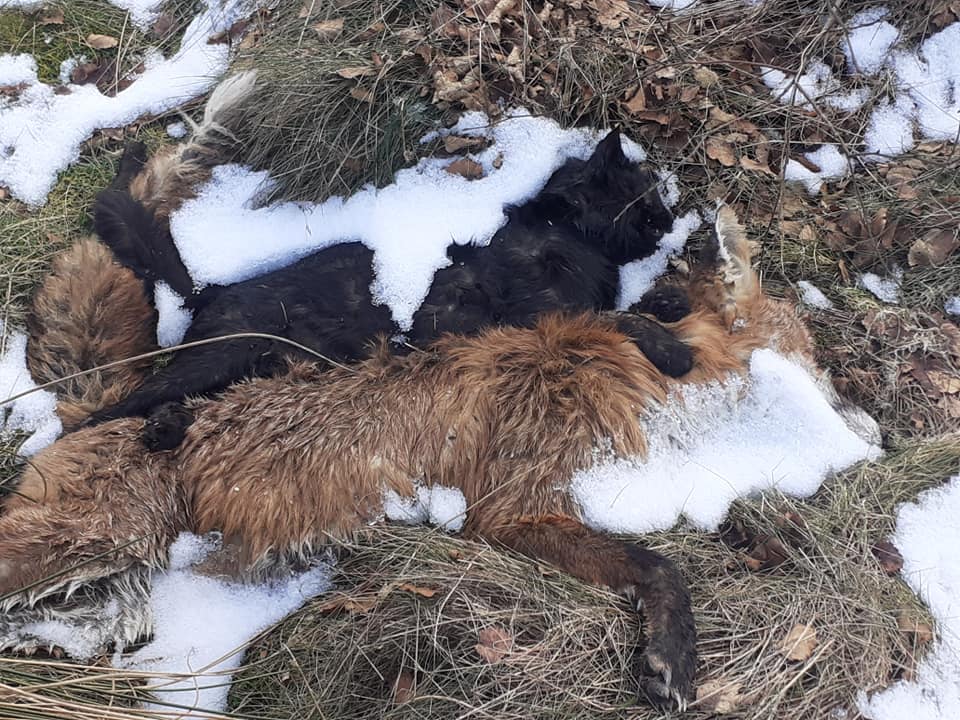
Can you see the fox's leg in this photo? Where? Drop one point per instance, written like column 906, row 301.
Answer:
column 648, row 579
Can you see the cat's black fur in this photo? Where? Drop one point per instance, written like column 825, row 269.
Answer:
column 559, row 251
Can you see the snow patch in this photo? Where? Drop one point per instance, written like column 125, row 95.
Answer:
column 885, row 289
column 713, row 443
column 173, row 319
column 34, row 413
column 639, row 276
column 927, row 535
column 952, row 305
column 177, row 129
column 813, row 296
column 203, row 624
column 869, row 40
column 437, row 505
column 41, row 132
column 833, row 165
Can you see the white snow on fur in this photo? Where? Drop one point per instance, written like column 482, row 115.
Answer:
column 714, row 443
column 407, row 224
column 927, row 535
column 173, row 319
column 202, row 625
column 34, row 413
column 813, row 296
column 435, row 504
column 41, row 132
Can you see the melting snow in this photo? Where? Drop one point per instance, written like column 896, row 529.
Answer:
column 885, row 289
column 714, row 443
column 34, row 413
column 36, row 143
column 435, row 504
column 201, row 625
column 927, row 535
column 813, row 296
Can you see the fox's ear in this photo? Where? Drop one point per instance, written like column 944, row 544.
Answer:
column 723, row 278
column 609, row 153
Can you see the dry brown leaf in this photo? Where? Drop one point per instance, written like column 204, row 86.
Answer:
column 637, row 101
column 4, row 193
column 102, row 42
column 354, row 72
column 948, row 383
column 495, row 643
column 799, row 643
column 767, row 552
column 901, row 177
column 53, row 16
column 417, row 590
column 705, row 76
column 467, row 168
column 933, row 248
column 404, row 688
column 888, row 556
column 456, row 143
column 612, row 13
column 356, row 604
column 720, row 150
column 921, row 632
column 162, row 25
column 748, row 163
column 361, row 94
column 688, row 93
column 719, row 696
column 329, row 29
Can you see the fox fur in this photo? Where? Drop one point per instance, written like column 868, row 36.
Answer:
column 89, row 311
column 284, row 465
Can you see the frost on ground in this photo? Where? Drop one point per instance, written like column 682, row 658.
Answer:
column 813, row 296
column 201, row 626
column 41, row 131
column 885, row 289
column 35, row 413
column 925, row 82
column 927, row 535
column 714, row 443
column 407, row 224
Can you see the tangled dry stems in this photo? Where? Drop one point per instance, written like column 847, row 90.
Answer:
column 378, row 647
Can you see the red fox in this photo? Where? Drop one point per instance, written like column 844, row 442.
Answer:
column 284, row 465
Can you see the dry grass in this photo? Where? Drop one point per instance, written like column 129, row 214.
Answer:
column 572, row 651
column 572, row 655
